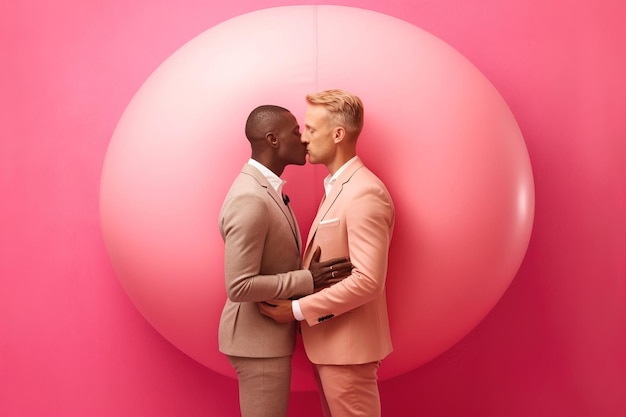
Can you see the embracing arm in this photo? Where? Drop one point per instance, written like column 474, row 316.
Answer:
column 250, row 248
column 245, row 227
column 369, row 221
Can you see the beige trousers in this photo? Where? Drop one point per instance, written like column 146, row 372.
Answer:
column 264, row 385
column 349, row 390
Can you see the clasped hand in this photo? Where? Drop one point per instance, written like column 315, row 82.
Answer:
column 324, row 274
column 328, row 272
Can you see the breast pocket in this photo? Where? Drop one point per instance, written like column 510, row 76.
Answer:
column 329, row 222
column 331, row 237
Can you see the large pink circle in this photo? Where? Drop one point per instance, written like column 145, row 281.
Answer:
column 437, row 132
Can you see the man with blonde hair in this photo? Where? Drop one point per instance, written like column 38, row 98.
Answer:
column 345, row 327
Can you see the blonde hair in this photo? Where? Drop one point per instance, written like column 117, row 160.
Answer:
column 343, row 108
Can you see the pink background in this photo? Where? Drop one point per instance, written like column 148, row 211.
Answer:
column 73, row 344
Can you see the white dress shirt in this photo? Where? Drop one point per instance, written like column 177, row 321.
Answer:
column 275, row 181
column 328, row 185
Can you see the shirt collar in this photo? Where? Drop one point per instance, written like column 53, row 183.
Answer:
column 275, row 181
column 330, row 180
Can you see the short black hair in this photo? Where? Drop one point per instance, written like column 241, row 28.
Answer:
column 261, row 120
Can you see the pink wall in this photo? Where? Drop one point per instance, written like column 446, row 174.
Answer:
column 73, row 344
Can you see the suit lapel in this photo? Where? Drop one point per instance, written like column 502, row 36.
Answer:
column 328, row 202
column 260, row 178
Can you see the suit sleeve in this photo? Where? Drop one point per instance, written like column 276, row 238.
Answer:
column 245, row 227
column 369, row 221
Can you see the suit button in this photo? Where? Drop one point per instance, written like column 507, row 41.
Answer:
column 329, row 316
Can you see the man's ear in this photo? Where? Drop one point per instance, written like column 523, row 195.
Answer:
column 272, row 139
column 339, row 134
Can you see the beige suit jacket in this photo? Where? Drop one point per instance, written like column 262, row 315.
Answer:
column 262, row 261
column 347, row 323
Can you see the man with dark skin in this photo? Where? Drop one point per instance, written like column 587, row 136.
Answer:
column 263, row 261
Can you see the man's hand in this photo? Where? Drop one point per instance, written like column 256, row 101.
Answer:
column 328, row 272
column 279, row 310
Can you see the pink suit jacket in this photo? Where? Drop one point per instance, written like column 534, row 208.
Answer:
column 347, row 323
